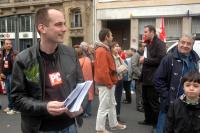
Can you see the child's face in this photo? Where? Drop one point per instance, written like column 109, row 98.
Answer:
column 192, row 89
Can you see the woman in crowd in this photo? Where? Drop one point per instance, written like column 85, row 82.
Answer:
column 86, row 67
column 122, row 68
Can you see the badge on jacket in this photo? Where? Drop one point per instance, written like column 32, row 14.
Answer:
column 55, row 79
column 6, row 64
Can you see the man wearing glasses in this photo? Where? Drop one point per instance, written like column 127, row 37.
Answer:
column 167, row 79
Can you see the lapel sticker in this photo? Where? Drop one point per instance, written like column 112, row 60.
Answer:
column 55, row 79
column 5, row 64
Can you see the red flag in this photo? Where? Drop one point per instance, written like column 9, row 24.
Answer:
column 162, row 32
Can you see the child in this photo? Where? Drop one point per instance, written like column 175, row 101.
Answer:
column 184, row 114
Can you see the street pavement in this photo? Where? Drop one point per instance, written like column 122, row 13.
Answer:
column 11, row 123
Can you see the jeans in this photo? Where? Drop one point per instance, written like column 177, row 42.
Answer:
column 8, row 90
column 70, row 129
column 88, row 108
column 161, row 122
column 118, row 95
column 133, row 85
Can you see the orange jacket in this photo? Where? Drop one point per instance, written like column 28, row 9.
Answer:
column 104, row 67
column 86, row 67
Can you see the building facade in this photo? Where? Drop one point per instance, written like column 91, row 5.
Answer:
column 17, row 20
column 127, row 18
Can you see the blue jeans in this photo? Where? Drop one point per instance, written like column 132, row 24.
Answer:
column 8, row 90
column 70, row 129
column 88, row 108
column 133, row 85
column 161, row 122
column 118, row 95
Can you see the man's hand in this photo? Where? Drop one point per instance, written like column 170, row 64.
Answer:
column 141, row 60
column 74, row 114
column 56, row 108
column 110, row 86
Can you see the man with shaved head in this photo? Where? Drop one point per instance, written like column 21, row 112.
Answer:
column 43, row 77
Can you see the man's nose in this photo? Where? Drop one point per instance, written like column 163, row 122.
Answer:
column 64, row 28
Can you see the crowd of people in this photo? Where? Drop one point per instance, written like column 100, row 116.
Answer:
column 38, row 79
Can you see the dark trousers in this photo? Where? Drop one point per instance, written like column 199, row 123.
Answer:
column 151, row 104
column 127, row 88
column 118, row 95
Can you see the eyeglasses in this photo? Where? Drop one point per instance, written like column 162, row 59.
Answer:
column 185, row 42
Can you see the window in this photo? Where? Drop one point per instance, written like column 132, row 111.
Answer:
column 111, row 0
column 10, row 24
column 25, row 43
column 7, row 24
column 4, row 1
column 196, row 25
column 2, row 24
column 76, row 20
column 25, row 23
column 173, row 28
column 21, row 0
column 76, row 40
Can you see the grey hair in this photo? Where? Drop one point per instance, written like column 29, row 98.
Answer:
column 188, row 36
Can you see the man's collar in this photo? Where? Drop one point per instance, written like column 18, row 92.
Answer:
column 152, row 40
column 101, row 44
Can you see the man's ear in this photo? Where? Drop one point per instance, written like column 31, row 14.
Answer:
column 41, row 28
column 106, row 37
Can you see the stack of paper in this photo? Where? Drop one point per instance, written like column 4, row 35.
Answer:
column 74, row 100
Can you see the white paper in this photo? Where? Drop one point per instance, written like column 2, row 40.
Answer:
column 76, row 97
column 145, row 52
column 73, row 94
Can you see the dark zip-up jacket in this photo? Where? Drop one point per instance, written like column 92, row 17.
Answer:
column 167, row 78
column 156, row 50
column 28, row 91
column 2, row 54
column 183, row 117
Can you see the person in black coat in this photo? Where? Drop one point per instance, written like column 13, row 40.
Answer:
column 167, row 78
column 184, row 114
column 155, row 51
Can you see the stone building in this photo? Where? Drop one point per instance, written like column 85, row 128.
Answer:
column 17, row 20
column 127, row 18
column 85, row 18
